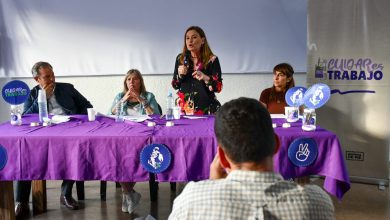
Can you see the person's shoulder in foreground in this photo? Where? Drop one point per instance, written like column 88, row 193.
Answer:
column 242, row 183
column 238, row 198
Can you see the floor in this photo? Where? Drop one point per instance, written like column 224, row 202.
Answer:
column 363, row 201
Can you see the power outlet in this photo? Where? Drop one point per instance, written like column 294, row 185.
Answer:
column 354, row 155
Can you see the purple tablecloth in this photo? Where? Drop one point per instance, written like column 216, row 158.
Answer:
column 105, row 150
column 329, row 163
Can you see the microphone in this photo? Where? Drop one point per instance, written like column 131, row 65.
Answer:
column 187, row 57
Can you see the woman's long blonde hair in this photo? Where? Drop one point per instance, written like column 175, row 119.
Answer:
column 139, row 75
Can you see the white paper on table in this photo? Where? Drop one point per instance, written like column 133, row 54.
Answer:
column 282, row 116
column 133, row 118
column 278, row 116
column 57, row 119
column 193, row 117
column 136, row 118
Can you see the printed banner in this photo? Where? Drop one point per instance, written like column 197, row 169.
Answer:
column 15, row 92
column 349, row 50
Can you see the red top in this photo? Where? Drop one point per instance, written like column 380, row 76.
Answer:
column 275, row 106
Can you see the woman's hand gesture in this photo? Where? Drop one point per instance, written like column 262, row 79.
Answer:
column 199, row 75
column 182, row 70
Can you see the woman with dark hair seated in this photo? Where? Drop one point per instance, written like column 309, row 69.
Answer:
column 274, row 98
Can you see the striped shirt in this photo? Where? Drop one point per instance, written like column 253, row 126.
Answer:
column 252, row 195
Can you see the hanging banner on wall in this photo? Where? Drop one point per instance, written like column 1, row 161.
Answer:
column 349, row 50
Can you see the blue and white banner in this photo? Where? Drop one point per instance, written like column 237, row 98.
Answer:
column 294, row 96
column 15, row 92
column 316, row 96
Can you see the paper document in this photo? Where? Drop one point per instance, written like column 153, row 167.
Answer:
column 136, row 118
column 57, row 119
column 278, row 116
column 193, row 117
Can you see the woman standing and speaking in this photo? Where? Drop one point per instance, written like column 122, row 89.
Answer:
column 197, row 75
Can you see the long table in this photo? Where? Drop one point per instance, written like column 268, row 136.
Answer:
column 106, row 150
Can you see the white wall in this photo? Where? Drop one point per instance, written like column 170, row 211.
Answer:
column 148, row 35
column 101, row 90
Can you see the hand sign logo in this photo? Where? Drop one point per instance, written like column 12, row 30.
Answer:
column 302, row 152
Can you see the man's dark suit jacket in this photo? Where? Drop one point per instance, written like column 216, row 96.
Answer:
column 67, row 97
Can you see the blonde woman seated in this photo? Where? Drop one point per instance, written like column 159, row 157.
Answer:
column 136, row 100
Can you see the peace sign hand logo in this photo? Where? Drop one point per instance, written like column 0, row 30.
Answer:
column 303, row 152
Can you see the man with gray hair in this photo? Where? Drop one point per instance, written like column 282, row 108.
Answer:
column 242, row 183
column 62, row 99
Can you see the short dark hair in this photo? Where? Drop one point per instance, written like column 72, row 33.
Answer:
column 37, row 66
column 287, row 70
column 243, row 128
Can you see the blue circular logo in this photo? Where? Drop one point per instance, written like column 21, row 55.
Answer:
column 294, row 96
column 302, row 152
column 155, row 158
column 317, row 95
column 3, row 157
column 15, row 92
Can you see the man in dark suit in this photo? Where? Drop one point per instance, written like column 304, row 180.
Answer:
column 62, row 99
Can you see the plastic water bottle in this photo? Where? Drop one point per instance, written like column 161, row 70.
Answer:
column 119, row 112
column 42, row 106
column 16, row 114
column 170, row 105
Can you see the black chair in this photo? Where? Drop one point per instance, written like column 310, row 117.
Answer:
column 103, row 188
